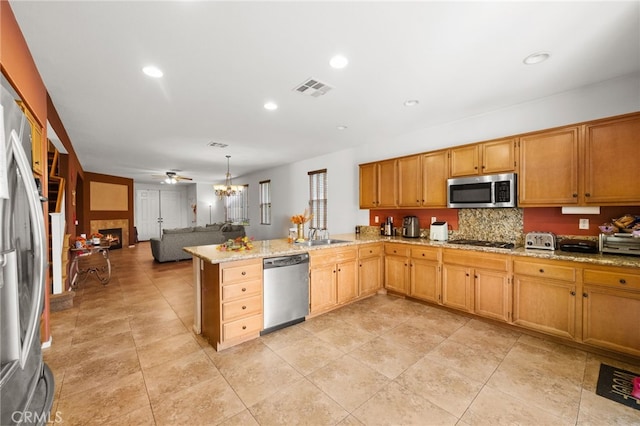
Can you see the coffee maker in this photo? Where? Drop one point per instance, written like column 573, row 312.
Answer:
column 411, row 227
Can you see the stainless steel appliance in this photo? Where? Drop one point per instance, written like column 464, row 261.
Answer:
column 286, row 291
column 578, row 245
column 411, row 227
column 540, row 241
column 439, row 231
column 481, row 243
column 619, row 243
column 26, row 382
column 490, row 191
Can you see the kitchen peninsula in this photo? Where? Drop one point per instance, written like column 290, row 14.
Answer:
column 592, row 300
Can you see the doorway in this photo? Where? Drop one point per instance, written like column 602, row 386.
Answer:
column 158, row 209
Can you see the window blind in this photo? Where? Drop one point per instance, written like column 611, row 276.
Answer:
column 265, row 202
column 318, row 198
column 237, row 208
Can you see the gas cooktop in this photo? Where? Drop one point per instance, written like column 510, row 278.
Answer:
column 480, row 243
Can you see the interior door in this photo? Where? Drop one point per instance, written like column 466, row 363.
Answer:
column 148, row 213
column 172, row 209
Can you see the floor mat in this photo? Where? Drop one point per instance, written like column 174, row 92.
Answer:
column 616, row 384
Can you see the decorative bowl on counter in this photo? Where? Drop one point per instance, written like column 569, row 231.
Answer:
column 608, row 228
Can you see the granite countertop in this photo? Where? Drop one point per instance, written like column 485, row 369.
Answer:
column 280, row 247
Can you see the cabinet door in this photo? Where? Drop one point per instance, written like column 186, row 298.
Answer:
column 456, row 287
column 409, row 182
column 611, row 318
column 370, row 275
column 322, row 288
column 464, row 161
column 492, row 295
column 369, row 186
column 425, row 280
column 435, row 172
column 396, row 275
column 387, row 183
column 549, row 168
column 611, row 162
column 498, row 156
column 347, row 274
column 545, row 305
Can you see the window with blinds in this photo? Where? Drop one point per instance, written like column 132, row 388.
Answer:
column 318, row 198
column 237, row 207
column 265, row 202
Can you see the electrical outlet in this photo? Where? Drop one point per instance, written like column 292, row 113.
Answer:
column 376, row 219
column 433, row 219
column 584, row 224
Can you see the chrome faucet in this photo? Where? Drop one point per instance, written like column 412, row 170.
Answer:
column 313, row 233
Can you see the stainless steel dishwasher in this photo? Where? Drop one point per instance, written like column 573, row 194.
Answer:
column 286, row 291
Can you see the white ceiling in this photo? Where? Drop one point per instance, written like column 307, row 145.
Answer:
column 223, row 60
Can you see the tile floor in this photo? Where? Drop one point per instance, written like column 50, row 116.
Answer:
column 125, row 354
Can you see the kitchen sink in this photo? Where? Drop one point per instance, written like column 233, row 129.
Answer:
column 325, row 242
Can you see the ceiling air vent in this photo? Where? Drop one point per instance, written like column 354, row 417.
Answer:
column 218, row 144
column 313, row 87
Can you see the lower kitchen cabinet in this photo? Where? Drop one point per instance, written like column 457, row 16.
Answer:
column 544, row 296
column 370, row 266
column 396, row 267
column 425, row 277
column 477, row 282
column 333, row 278
column 611, row 309
column 231, row 302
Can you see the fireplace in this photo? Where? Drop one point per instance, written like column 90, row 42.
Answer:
column 113, row 236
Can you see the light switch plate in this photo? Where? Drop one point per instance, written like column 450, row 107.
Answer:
column 584, row 224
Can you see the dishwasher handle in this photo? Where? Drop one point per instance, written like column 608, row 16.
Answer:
column 282, row 261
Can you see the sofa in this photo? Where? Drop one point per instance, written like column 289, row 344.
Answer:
column 169, row 247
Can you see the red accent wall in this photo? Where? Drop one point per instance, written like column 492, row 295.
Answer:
column 424, row 216
column 551, row 219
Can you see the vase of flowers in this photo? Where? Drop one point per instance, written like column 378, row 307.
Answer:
column 300, row 220
column 95, row 238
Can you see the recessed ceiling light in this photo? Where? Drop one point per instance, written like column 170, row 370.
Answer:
column 271, row 106
column 152, row 71
column 536, row 58
column 411, row 103
column 342, row 127
column 338, row 62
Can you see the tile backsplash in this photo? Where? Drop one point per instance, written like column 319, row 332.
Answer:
column 504, row 225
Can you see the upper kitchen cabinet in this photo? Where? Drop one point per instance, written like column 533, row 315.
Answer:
column 611, row 161
column 484, row 158
column 422, row 180
column 549, row 168
column 36, row 140
column 378, row 184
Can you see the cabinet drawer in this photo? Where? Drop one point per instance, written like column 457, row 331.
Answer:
column 243, row 289
column 425, row 253
column 242, row 327
column 332, row 256
column 497, row 262
column 544, row 270
column 241, row 271
column 620, row 279
column 370, row 251
column 242, row 307
column 397, row 250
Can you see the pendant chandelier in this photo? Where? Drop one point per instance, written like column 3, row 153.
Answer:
column 228, row 189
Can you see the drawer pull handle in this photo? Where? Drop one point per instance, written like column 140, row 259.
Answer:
column 244, row 307
column 623, row 281
column 573, row 293
column 422, row 254
column 541, row 271
column 244, row 273
column 585, row 295
column 244, row 327
column 244, row 289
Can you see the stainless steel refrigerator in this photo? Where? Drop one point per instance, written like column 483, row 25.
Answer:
column 26, row 382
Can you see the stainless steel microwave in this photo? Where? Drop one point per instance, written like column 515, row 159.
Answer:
column 491, row 191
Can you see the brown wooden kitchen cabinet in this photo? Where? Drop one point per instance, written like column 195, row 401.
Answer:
column 333, row 278
column 410, row 181
column 422, row 180
column 36, row 140
column 378, row 184
column 477, row 282
column 370, row 267
column 231, row 302
column 611, row 162
column 498, row 156
column 396, row 267
column 544, row 296
column 611, row 308
column 425, row 277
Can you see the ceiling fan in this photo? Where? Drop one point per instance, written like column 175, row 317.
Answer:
column 171, row 177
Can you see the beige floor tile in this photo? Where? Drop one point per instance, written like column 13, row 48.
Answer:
column 176, row 375
column 300, row 403
column 244, row 418
column 386, row 357
column 438, row 321
column 486, row 337
column 208, row 402
column 284, row 337
column 84, row 351
column 345, row 336
column 492, row 407
column 350, row 420
column 443, row 386
column 108, row 327
column 596, row 410
column 362, row 384
column 477, row 364
column 141, row 417
column 417, row 339
column 568, row 364
column 395, row 405
column 321, row 323
column 169, row 349
column 309, row 354
column 146, row 333
column 104, row 402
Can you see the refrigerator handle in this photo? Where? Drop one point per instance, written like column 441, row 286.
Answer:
column 39, row 267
